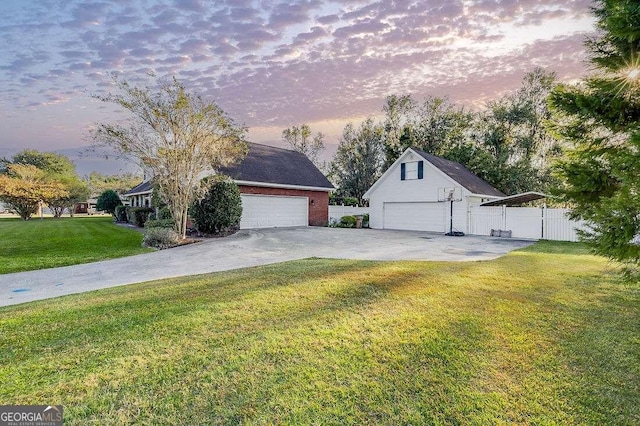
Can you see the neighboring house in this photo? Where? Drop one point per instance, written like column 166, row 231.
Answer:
column 415, row 193
column 278, row 187
column 139, row 196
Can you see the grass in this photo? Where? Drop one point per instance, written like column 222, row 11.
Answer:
column 48, row 243
column 540, row 336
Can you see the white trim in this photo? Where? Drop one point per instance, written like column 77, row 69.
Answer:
column 138, row 193
column 260, row 184
column 282, row 186
column 384, row 175
column 367, row 195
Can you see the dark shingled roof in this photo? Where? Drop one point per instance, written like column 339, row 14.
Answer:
column 145, row 186
column 267, row 164
column 461, row 174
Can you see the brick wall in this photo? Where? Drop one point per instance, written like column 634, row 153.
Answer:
column 318, row 201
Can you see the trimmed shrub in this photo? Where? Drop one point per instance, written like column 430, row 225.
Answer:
column 121, row 213
column 164, row 213
column 348, row 222
column 139, row 215
column 108, row 201
column 160, row 238
column 220, row 210
column 158, row 223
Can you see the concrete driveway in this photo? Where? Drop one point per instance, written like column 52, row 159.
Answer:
column 250, row 248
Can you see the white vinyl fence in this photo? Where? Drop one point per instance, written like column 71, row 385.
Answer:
column 336, row 212
column 524, row 222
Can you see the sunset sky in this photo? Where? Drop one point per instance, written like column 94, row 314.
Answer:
column 270, row 64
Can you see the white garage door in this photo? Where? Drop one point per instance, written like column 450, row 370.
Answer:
column 415, row 216
column 268, row 211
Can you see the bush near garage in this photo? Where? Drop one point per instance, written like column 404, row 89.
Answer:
column 220, row 210
column 348, row 222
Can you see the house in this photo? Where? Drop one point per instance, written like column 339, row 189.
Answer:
column 278, row 188
column 424, row 192
column 139, row 195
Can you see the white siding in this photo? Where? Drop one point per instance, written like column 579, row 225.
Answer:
column 269, row 211
column 393, row 190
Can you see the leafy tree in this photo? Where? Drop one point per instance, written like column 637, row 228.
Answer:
column 358, row 162
column 108, row 201
column 221, row 208
column 600, row 118
column 55, row 165
column 24, row 187
column 77, row 192
column 397, row 110
column 300, row 139
column 512, row 130
column 177, row 136
column 120, row 183
column 56, row 168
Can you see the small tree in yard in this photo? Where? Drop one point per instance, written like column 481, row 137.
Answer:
column 24, row 187
column 108, row 201
column 220, row 209
column 177, row 136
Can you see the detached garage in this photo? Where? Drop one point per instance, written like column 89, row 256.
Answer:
column 280, row 188
column 419, row 191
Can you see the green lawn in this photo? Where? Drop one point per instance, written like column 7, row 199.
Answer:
column 47, row 243
column 541, row 336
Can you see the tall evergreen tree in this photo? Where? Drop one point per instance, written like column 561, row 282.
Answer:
column 601, row 118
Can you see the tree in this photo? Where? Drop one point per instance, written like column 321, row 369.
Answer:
column 24, row 187
column 439, row 126
column 56, row 168
column 300, row 139
column 358, row 162
column 120, row 183
column 397, row 110
column 600, row 118
column 108, row 201
column 77, row 192
column 177, row 136
column 512, row 131
column 221, row 208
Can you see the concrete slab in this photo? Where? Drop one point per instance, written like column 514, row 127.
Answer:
column 250, row 248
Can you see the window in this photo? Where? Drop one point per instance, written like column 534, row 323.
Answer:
column 412, row 170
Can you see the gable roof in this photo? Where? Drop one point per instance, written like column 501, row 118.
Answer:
column 455, row 171
column 267, row 166
column 460, row 174
column 270, row 165
column 141, row 188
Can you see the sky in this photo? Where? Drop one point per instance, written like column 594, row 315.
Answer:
column 270, row 64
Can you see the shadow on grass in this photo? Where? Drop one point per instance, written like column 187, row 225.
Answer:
column 557, row 247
